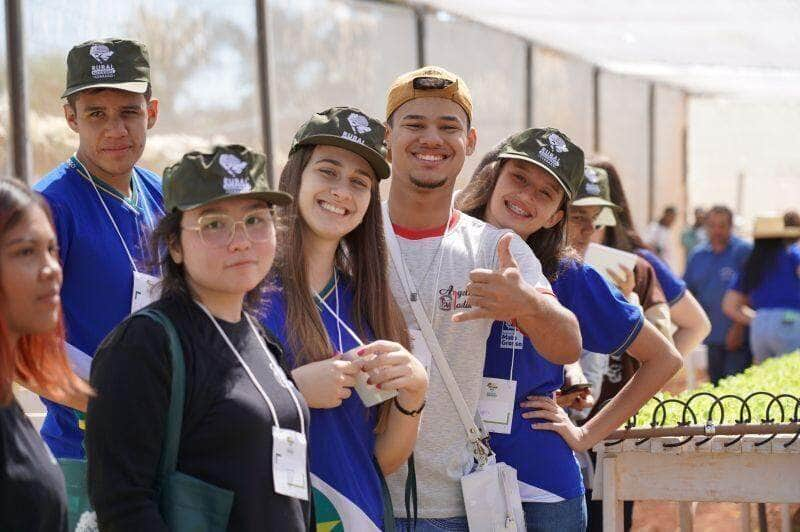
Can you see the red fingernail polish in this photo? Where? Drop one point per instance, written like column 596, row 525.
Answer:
column 361, row 351
column 378, row 386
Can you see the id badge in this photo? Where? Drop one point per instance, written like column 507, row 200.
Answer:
column 496, row 404
column 289, row 471
column 145, row 290
column 420, row 349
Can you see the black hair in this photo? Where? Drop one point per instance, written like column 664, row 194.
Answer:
column 761, row 259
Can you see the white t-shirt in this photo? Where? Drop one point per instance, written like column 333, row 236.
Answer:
column 442, row 455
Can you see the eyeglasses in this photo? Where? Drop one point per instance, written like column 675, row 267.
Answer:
column 217, row 230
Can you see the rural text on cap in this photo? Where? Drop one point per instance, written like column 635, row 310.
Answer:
column 108, row 63
column 551, row 150
column 227, row 171
column 350, row 129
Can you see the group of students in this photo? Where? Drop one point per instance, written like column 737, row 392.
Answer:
column 220, row 361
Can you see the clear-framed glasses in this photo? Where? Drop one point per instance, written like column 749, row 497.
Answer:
column 217, row 230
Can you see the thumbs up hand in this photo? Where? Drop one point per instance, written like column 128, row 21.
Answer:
column 501, row 294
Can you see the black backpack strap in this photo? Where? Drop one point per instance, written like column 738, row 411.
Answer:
column 386, row 498
column 411, row 493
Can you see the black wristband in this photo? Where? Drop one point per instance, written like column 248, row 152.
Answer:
column 412, row 413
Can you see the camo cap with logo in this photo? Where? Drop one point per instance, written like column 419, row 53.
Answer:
column 108, row 63
column 227, row 171
column 428, row 82
column 350, row 129
column 551, row 150
column 594, row 189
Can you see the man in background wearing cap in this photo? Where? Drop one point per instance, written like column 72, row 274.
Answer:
column 709, row 271
column 104, row 207
column 459, row 269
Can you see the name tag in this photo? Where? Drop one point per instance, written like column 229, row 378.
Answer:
column 289, row 472
column 496, row 404
column 420, row 349
column 510, row 337
column 145, row 290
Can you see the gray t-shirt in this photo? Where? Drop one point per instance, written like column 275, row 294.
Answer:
column 442, row 455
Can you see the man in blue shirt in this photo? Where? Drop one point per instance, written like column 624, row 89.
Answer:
column 708, row 275
column 104, row 207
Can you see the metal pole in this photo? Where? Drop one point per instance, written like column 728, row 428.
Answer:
column 700, row 430
column 651, row 150
column 596, row 114
column 17, row 93
column 420, row 19
column 529, row 85
column 262, row 53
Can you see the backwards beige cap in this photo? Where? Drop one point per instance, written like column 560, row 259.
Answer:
column 428, row 82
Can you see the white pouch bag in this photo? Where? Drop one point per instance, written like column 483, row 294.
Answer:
column 491, row 496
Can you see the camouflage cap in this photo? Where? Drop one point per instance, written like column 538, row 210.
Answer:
column 594, row 189
column 227, row 171
column 350, row 129
column 108, row 63
column 551, row 150
column 428, row 82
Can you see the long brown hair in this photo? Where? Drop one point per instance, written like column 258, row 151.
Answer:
column 361, row 255
column 39, row 359
column 623, row 235
column 549, row 245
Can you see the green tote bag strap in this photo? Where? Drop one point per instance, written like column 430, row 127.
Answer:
column 186, row 503
column 172, row 434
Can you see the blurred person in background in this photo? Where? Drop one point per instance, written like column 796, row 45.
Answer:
column 32, row 493
column 659, row 234
column 694, row 234
column 691, row 323
column 765, row 294
column 709, row 272
column 105, row 208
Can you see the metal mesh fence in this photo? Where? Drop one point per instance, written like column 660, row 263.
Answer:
column 325, row 53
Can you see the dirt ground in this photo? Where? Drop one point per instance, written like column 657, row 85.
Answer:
column 658, row 516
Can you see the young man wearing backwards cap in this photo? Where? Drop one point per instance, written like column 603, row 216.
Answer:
column 460, row 269
column 104, row 207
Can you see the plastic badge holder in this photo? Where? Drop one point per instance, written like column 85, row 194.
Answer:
column 369, row 394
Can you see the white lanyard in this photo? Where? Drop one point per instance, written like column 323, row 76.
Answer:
column 86, row 174
column 273, row 366
column 403, row 273
column 335, row 313
column 513, row 352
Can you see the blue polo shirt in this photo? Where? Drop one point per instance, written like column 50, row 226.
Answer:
column 673, row 286
column 708, row 275
column 780, row 284
column 345, row 481
column 98, row 276
column 546, row 467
